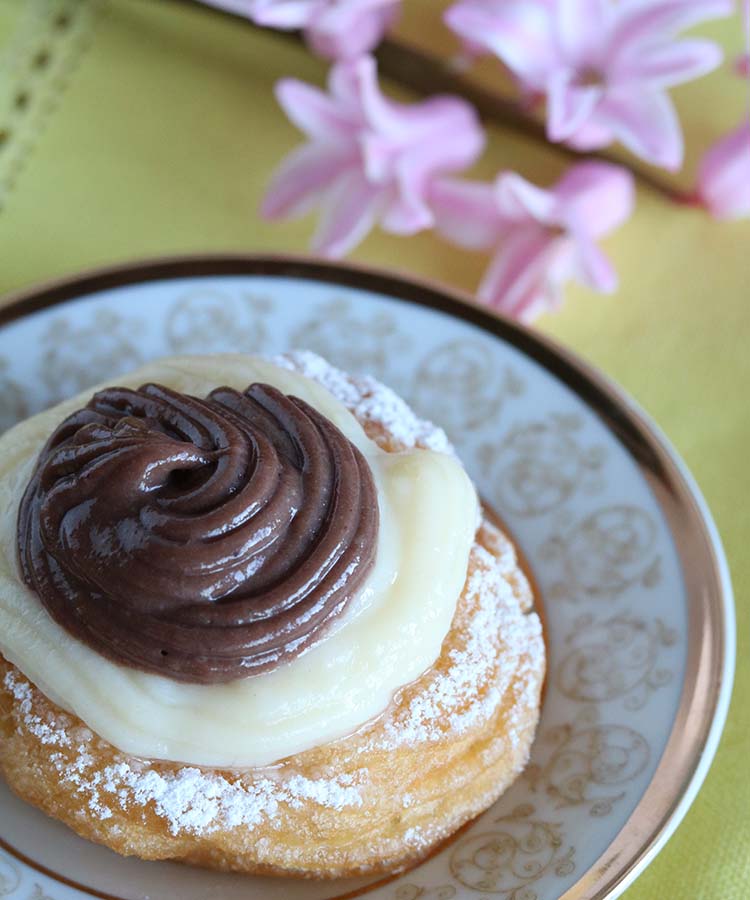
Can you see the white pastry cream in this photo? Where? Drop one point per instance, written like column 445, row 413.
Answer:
column 391, row 633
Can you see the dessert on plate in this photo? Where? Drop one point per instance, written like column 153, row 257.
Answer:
column 253, row 617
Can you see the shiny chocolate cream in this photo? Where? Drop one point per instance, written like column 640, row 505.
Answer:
column 205, row 540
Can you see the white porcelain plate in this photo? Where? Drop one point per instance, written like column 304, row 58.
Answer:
column 638, row 603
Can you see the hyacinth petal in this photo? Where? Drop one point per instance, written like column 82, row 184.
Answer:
column 592, row 135
column 465, row 212
column 455, row 142
column 444, row 114
column 369, row 151
column 646, row 123
column 449, row 152
column 593, row 268
column 406, row 215
column 518, row 199
column 724, row 175
column 518, row 273
column 416, row 172
column 379, row 113
column 445, row 137
column 376, row 108
column 668, row 64
column 297, row 184
column 430, row 119
column 343, row 88
column 339, row 17
column 349, row 30
column 376, row 154
column 517, row 31
column 595, row 196
column 545, row 237
column 283, row 14
column 645, row 20
column 569, row 106
column 580, row 27
column 348, row 215
column 311, row 110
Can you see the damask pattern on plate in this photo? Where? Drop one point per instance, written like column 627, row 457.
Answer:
column 538, row 466
column 364, row 345
column 589, row 763
column 37, row 893
column 615, row 658
column 603, row 554
column 10, row 875
column 216, row 321
column 19, row 882
column 75, row 356
column 460, row 386
column 414, row 892
column 510, row 859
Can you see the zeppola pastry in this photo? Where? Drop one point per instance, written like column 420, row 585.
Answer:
column 252, row 617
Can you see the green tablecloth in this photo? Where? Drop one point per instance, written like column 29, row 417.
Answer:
column 132, row 128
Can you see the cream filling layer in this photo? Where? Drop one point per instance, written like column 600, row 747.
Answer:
column 391, row 634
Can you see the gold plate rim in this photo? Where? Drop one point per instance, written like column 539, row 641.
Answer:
column 706, row 689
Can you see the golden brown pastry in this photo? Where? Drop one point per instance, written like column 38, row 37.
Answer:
column 370, row 786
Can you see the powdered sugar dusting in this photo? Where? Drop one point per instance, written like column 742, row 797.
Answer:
column 368, row 400
column 449, row 705
column 21, row 691
column 188, row 799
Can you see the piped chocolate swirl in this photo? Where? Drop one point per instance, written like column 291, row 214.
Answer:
column 204, row 540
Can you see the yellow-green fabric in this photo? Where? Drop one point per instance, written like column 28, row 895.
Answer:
column 158, row 136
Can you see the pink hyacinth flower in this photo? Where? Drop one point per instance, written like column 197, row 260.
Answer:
column 724, row 176
column 541, row 238
column 368, row 158
column 337, row 29
column 603, row 66
column 723, row 186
